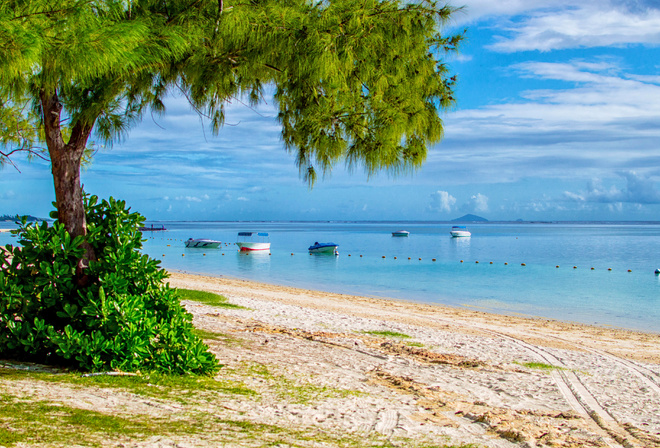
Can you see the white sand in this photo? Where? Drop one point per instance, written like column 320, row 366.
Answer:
column 463, row 377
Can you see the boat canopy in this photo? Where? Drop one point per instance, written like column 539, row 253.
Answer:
column 245, row 233
column 458, row 227
column 262, row 234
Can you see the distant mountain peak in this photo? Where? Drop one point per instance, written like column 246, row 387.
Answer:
column 470, row 218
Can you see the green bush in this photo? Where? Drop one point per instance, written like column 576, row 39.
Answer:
column 123, row 318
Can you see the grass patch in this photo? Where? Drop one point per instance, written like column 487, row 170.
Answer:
column 207, row 298
column 540, row 366
column 180, row 388
column 415, row 344
column 295, row 391
column 39, row 422
column 388, row 334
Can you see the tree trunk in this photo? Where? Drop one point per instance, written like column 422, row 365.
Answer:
column 65, row 161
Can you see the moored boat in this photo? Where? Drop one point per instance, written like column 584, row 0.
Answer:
column 401, row 233
column 323, row 248
column 202, row 242
column 250, row 245
column 459, row 231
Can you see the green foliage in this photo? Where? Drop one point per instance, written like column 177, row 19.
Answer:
column 363, row 81
column 387, row 333
column 124, row 318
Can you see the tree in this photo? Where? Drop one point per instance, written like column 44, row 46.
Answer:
column 356, row 80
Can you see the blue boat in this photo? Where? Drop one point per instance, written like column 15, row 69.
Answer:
column 323, row 248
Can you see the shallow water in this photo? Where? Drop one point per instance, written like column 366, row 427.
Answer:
column 497, row 283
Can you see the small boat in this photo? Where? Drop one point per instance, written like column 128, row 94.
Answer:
column 152, row 229
column 202, row 242
column 323, row 248
column 250, row 245
column 401, row 233
column 459, row 231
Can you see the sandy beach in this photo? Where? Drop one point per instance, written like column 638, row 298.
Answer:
column 462, row 376
column 393, row 373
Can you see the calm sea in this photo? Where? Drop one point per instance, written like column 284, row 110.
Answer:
column 484, row 272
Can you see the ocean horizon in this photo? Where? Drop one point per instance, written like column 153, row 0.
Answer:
column 591, row 272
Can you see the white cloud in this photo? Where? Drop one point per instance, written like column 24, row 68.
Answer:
column 192, row 198
column 477, row 203
column 441, row 201
column 606, row 120
column 638, row 190
column 242, row 198
column 587, row 25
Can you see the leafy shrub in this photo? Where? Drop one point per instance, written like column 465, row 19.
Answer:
column 123, row 318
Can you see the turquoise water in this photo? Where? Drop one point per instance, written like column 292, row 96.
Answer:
column 612, row 298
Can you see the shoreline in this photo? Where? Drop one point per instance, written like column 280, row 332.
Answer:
column 534, row 324
column 469, row 376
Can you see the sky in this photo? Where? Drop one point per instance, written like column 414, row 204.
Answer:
column 557, row 119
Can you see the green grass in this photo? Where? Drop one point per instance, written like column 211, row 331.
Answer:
column 31, row 422
column 295, row 391
column 539, row 366
column 26, row 420
column 180, row 388
column 389, row 334
column 207, row 298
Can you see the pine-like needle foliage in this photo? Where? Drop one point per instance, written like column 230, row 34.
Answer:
column 360, row 81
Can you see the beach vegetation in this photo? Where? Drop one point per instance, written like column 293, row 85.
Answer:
column 123, row 317
column 360, row 82
column 541, row 366
column 295, row 390
column 182, row 408
column 207, row 298
column 387, row 334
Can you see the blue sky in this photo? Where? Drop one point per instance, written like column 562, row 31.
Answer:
column 558, row 118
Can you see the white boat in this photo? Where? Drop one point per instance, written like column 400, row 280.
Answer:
column 323, row 248
column 250, row 245
column 401, row 233
column 202, row 242
column 459, row 231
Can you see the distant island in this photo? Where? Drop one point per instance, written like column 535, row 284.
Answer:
column 14, row 218
column 470, row 218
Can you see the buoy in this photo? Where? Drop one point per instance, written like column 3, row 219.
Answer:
column 420, row 259
column 349, row 255
column 593, row 268
column 360, row 256
column 491, row 262
column 269, row 253
column 657, row 271
column 523, row 264
column 383, row 256
column 395, row 258
column 574, row 267
column 461, row 261
column 223, row 253
column 557, row 266
column 432, row 259
column 629, row 270
column 168, row 245
column 506, row 264
column 183, row 255
column 476, row 262
column 204, row 255
column 408, row 258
